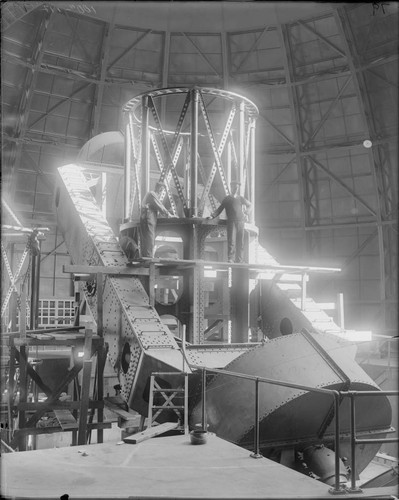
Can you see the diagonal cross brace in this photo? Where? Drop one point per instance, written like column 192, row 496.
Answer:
column 162, row 168
column 217, row 165
column 170, row 167
column 136, row 163
column 176, row 148
column 12, row 278
column 203, row 178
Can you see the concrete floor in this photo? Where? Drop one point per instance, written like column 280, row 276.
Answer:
column 162, row 468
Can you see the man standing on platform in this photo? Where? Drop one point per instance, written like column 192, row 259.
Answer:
column 150, row 208
column 234, row 205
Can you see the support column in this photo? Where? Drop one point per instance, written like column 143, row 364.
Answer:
column 252, row 172
column 239, row 300
column 145, row 149
column 127, row 177
column 241, row 145
column 193, row 209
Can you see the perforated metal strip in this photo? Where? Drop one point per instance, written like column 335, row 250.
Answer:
column 13, row 279
column 203, row 178
column 170, row 167
column 136, row 162
column 217, row 165
column 161, row 168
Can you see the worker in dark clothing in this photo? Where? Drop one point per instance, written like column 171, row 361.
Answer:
column 129, row 246
column 150, row 208
column 234, row 205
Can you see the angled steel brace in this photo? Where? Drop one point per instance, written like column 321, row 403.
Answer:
column 343, row 185
column 203, row 178
column 359, row 249
column 253, row 47
column 83, row 87
column 322, row 38
column 217, row 165
column 393, row 84
column 246, row 155
column 10, row 211
column 277, row 130
column 170, row 166
column 201, row 54
column 76, row 33
column 280, row 173
column 345, row 380
column 162, row 167
column 129, row 48
column 136, row 162
column 328, row 112
column 12, row 278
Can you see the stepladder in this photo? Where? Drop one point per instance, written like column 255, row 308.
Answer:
column 169, row 396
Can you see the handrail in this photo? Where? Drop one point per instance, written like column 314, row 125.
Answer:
column 380, row 341
column 337, row 395
column 331, row 392
column 352, row 395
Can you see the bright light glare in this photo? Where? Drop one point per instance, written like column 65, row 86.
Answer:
column 81, row 354
column 358, row 336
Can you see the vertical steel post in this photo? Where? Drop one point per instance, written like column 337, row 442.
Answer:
column 229, row 156
column 100, row 356
column 185, row 403
column 145, row 150
column 35, row 286
column 22, row 314
column 204, row 426
column 23, row 395
column 341, row 319
column 252, row 171
column 11, row 385
column 193, row 209
column 128, row 163
column 241, row 146
column 256, row 453
column 337, row 488
column 150, row 402
column 84, row 401
column 353, row 442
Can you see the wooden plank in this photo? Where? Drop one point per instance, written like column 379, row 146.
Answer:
column 50, row 430
column 125, row 418
column 66, row 419
column 84, row 401
column 151, row 432
column 113, row 270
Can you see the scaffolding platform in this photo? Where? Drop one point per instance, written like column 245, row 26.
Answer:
column 163, row 467
column 134, row 267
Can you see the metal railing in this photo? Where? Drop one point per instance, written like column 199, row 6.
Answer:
column 354, row 441
column 336, row 395
column 390, row 354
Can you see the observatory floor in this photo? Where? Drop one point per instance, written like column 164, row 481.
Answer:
column 164, row 467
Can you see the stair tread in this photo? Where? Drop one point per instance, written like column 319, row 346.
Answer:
column 168, row 390
column 168, row 407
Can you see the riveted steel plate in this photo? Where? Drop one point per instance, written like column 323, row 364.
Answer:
column 91, row 241
column 288, row 414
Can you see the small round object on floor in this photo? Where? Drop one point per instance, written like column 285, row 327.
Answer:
column 198, row 437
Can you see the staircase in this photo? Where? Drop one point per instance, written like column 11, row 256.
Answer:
column 294, row 286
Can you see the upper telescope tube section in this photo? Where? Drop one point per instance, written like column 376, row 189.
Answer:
column 193, row 140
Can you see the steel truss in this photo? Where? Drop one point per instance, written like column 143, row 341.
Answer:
column 190, row 154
